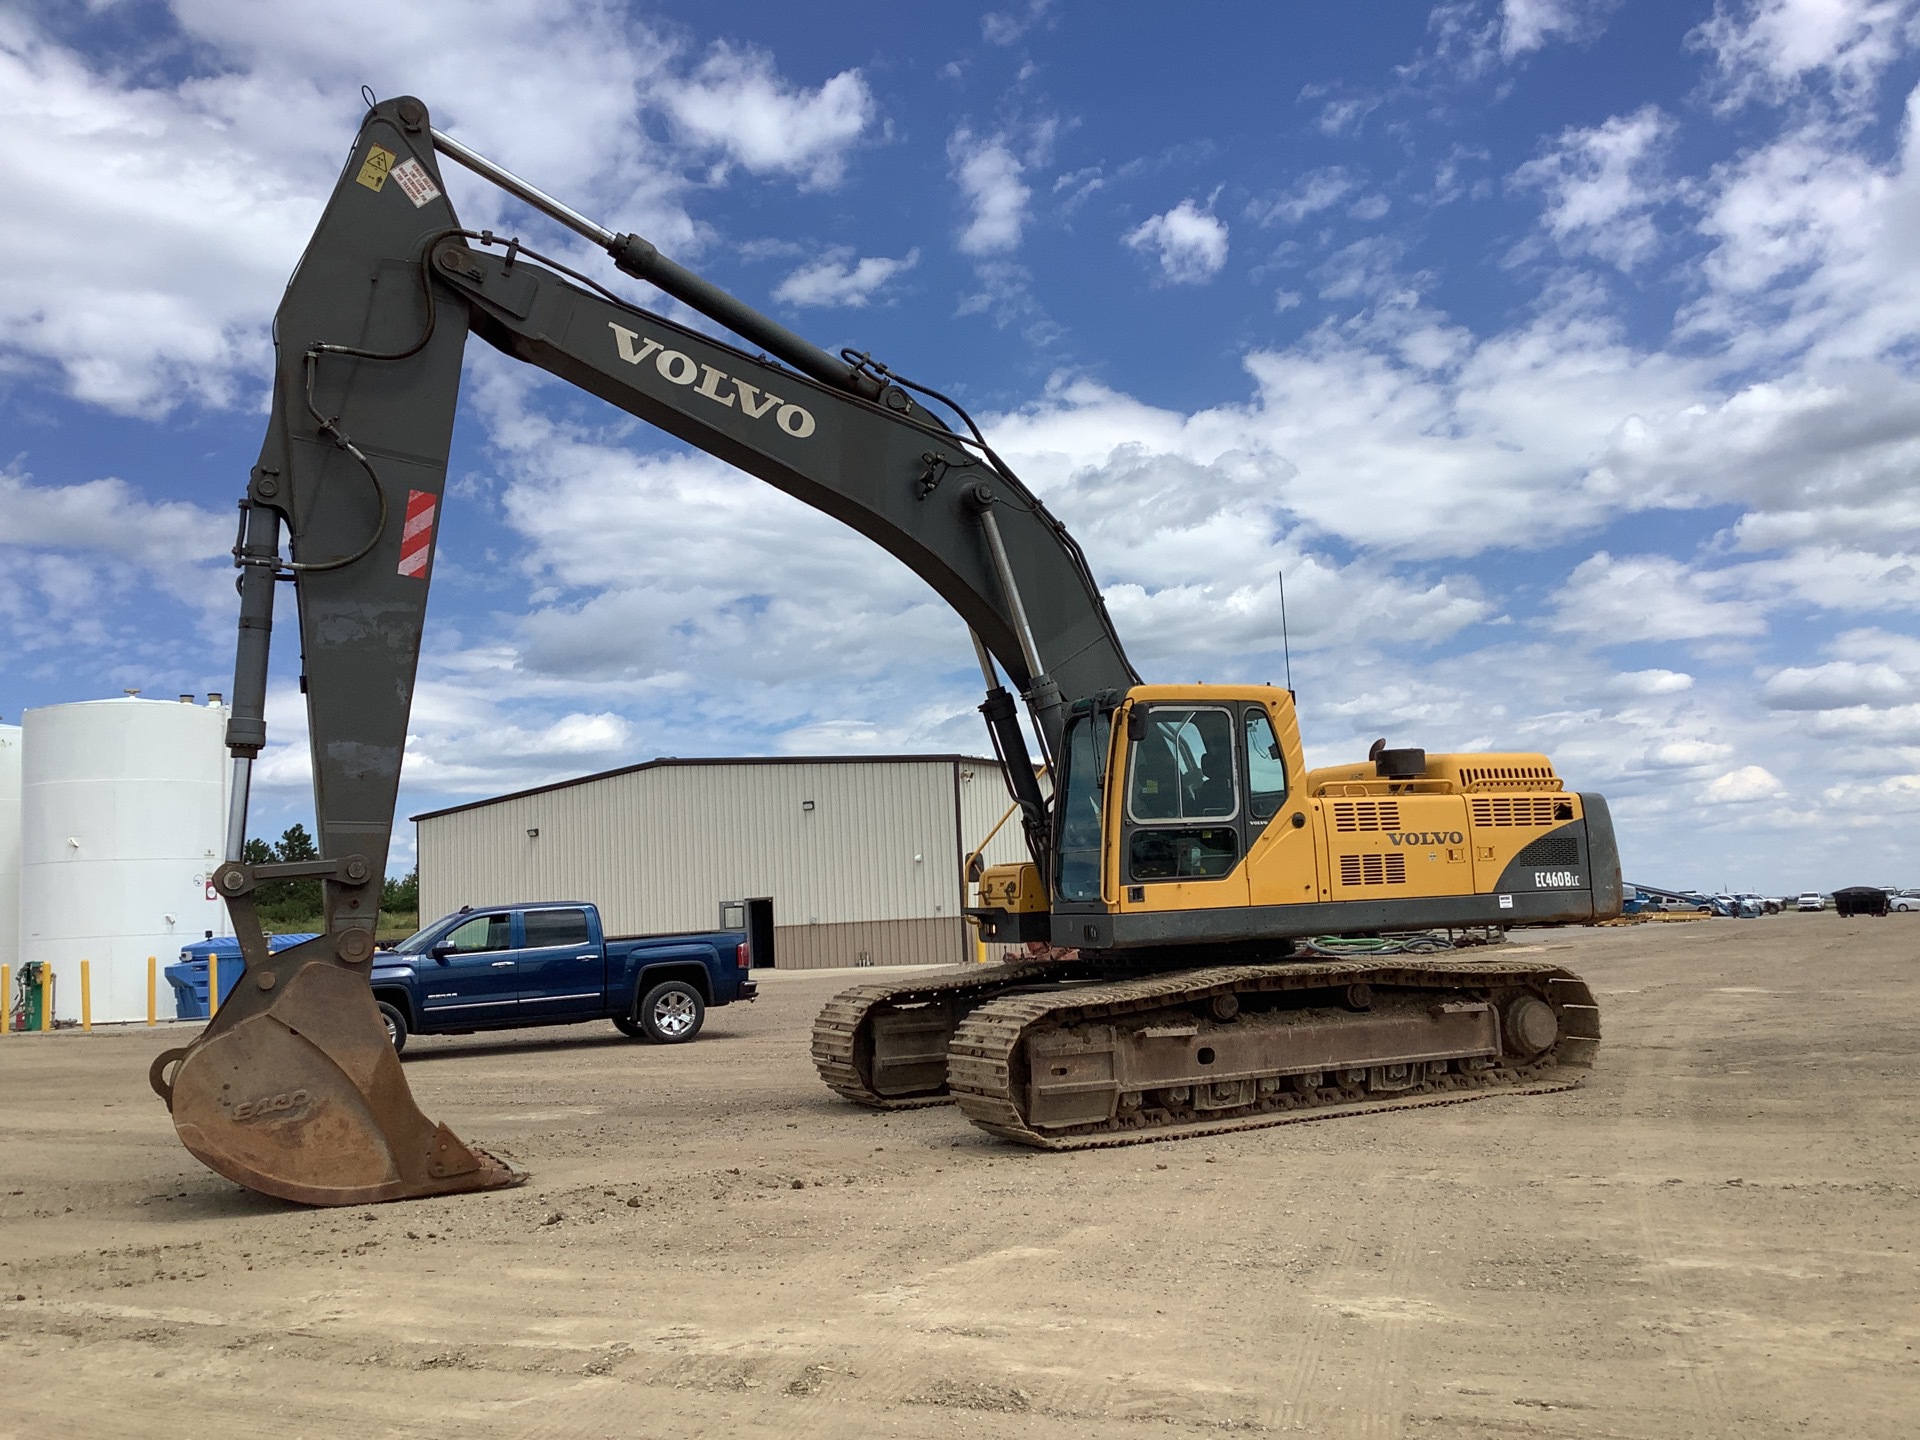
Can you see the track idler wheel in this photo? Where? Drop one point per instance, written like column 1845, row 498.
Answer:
column 294, row 1090
column 1530, row 1026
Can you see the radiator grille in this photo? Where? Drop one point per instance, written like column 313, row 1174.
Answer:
column 1512, row 809
column 1508, row 777
column 1551, row 850
column 1373, row 869
column 1350, row 816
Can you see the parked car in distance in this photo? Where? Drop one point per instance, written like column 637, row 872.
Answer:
column 1811, row 900
column 505, row 967
column 1904, row 900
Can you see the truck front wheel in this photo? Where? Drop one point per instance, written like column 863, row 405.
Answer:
column 670, row 1013
column 396, row 1025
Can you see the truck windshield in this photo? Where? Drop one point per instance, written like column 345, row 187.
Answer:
column 417, row 942
column 1085, row 753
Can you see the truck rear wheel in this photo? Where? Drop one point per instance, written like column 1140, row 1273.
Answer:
column 671, row 1013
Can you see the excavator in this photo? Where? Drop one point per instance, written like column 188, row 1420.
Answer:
column 1162, row 982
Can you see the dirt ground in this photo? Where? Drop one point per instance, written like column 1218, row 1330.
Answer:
column 1715, row 1237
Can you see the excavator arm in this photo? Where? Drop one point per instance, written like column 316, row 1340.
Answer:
column 292, row 1088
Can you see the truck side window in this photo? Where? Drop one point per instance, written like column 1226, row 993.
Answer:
column 554, row 927
column 1266, row 771
column 482, row 932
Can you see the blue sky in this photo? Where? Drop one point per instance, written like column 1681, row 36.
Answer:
column 1560, row 351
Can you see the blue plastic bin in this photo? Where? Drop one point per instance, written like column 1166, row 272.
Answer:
column 189, row 976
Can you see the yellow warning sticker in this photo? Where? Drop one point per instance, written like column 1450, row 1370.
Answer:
column 373, row 170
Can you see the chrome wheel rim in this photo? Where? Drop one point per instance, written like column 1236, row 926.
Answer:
column 393, row 1031
column 673, row 1014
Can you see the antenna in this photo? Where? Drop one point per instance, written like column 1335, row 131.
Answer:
column 1286, row 646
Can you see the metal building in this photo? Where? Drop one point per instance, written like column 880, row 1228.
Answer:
column 862, row 857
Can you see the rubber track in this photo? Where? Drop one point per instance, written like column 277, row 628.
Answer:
column 982, row 1061
column 836, row 1028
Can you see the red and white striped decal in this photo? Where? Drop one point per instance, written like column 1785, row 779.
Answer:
column 416, row 540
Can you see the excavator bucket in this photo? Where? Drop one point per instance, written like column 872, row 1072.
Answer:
column 294, row 1090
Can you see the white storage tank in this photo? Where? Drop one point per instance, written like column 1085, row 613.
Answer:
column 9, row 848
column 123, row 815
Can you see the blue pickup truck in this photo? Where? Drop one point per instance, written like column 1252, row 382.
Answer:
column 501, row 967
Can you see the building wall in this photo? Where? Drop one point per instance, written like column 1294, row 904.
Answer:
column 874, row 866
column 872, row 942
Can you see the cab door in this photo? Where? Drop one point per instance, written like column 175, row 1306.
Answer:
column 472, row 978
column 1183, row 822
column 1282, row 856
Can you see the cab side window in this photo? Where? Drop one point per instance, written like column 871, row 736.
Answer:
column 482, row 932
column 1266, row 771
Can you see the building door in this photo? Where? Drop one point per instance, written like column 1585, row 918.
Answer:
column 760, row 932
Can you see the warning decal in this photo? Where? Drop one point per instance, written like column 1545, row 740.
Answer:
column 414, row 179
column 416, row 539
column 373, row 170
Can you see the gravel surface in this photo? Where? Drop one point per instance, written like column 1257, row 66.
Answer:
column 1715, row 1237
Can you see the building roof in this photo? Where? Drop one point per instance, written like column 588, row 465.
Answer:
column 668, row 761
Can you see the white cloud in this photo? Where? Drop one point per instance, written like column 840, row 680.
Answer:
column 1686, row 754
column 1189, row 243
column 736, row 102
column 1007, row 27
column 170, row 541
column 989, row 174
column 1771, row 50
column 1528, row 25
column 1648, row 597
column 152, row 225
column 1602, row 185
column 832, row 280
column 1653, row 682
column 1311, row 193
column 1835, row 685
column 1743, row 786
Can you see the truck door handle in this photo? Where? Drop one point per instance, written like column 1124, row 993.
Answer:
column 586, row 957
column 498, row 963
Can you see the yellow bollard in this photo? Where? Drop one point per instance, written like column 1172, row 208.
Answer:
column 46, row 998
column 86, row 997
column 213, row 985
column 6, row 998
column 153, row 974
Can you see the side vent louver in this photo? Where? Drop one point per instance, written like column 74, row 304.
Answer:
column 1373, row 869
column 1531, row 810
column 1352, row 816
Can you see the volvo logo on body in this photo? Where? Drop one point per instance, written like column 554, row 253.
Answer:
column 1413, row 838
column 679, row 368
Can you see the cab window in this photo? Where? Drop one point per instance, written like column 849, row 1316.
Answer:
column 1182, row 852
column 1266, row 771
column 482, row 932
column 1080, row 839
column 1183, row 766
